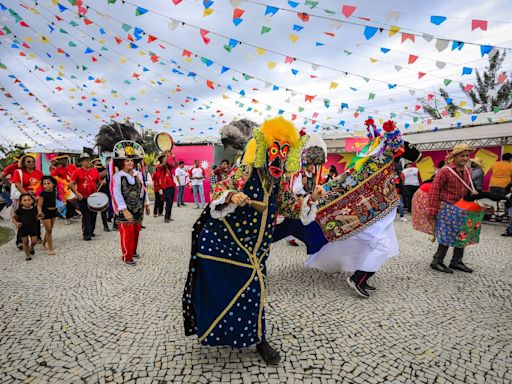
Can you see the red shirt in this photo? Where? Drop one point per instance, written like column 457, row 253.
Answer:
column 86, row 181
column 448, row 188
column 165, row 178
column 10, row 169
column 156, row 180
column 64, row 172
column 30, row 179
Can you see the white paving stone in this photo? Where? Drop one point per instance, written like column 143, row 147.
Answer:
column 82, row 316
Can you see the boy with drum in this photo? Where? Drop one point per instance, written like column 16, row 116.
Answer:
column 84, row 182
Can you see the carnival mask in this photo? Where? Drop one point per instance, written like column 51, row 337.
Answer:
column 277, row 155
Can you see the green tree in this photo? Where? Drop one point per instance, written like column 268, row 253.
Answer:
column 491, row 89
column 9, row 153
column 437, row 105
column 148, row 141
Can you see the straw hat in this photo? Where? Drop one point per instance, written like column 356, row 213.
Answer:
column 457, row 149
column 478, row 161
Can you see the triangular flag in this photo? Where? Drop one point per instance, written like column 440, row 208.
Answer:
column 412, row 59
column 442, row 44
column 204, row 34
column 440, row 64
column 369, row 32
column 394, row 29
column 260, row 51
column 467, row 71
column 421, row 74
column 446, row 82
column 151, row 38
column 293, row 38
column 271, row 64
column 437, row 20
column 264, row 29
column 210, row 84
column 347, row 10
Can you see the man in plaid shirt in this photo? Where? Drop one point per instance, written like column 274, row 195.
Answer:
column 449, row 188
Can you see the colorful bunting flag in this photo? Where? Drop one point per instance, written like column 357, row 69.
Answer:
column 369, row 32
column 347, row 10
column 482, row 24
column 437, row 20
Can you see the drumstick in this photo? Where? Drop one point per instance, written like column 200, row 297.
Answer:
column 259, row 206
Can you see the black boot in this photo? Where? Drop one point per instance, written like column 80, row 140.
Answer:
column 269, row 354
column 357, row 282
column 457, row 263
column 437, row 262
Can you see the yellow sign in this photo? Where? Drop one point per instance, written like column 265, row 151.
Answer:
column 488, row 158
column 426, row 168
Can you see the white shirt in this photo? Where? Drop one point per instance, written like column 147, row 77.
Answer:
column 411, row 176
column 121, row 205
column 197, row 172
column 181, row 176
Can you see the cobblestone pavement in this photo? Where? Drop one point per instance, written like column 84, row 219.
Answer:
column 81, row 316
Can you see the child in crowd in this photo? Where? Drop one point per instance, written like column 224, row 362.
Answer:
column 26, row 221
column 47, row 210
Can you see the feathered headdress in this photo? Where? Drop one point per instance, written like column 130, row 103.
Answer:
column 237, row 133
column 112, row 133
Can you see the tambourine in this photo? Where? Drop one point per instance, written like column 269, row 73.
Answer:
column 164, row 142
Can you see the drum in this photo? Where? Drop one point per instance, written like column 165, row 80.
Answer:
column 164, row 142
column 97, row 202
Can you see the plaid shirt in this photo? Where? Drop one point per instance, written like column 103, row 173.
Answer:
column 447, row 187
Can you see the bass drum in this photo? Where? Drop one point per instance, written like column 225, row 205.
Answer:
column 97, row 202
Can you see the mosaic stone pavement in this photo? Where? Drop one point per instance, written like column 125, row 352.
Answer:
column 82, row 316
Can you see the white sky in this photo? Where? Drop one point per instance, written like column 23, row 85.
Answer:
column 152, row 101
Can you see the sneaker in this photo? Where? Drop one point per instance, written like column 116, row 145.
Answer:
column 403, row 219
column 506, row 234
column 115, row 228
column 196, row 207
column 167, row 221
column 155, row 215
column 130, row 263
column 93, row 235
column 136, row 256
column 359, row 290
column 20, row 247
column 28, row 258
column 106, row 229
column 87, row 238
column 32, row 251
column 368, row 287
column 68, row 222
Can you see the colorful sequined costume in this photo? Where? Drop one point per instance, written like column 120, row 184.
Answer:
column 224, row 295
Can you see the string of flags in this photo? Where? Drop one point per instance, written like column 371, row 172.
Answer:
column 221, row 79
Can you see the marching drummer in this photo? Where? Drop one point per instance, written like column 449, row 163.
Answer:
column 129, row 197
column 84, row 182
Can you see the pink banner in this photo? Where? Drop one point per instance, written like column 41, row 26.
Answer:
column 355, row 144
column 188, row 154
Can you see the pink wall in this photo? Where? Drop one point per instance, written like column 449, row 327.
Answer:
column 189, row 153
column 437, row 156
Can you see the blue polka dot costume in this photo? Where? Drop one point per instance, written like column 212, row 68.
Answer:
column 224, row 296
